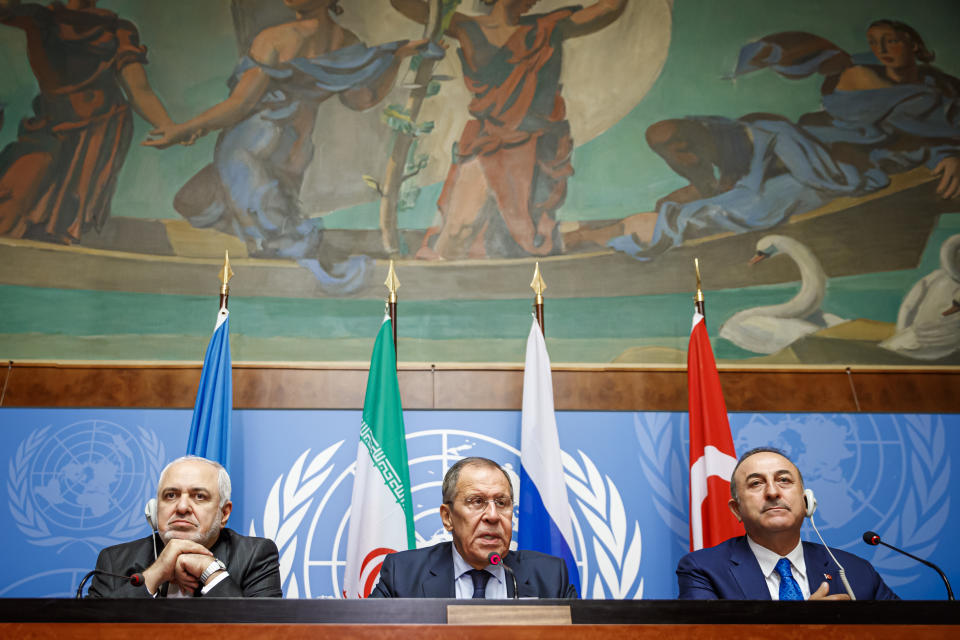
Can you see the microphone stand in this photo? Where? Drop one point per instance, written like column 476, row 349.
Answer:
column 873, row 539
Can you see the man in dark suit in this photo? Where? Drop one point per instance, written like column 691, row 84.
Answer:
column 770, row 562
column 198, row 556
column 478, row 510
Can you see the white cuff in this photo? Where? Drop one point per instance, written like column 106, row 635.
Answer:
column 214, row 582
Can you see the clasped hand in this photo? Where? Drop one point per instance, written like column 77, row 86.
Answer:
column 180, row 562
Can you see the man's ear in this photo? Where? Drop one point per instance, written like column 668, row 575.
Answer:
column 735, row 509
column 225, row 513
column 446, row 517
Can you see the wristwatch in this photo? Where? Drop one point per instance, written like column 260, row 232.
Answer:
column 212, row 568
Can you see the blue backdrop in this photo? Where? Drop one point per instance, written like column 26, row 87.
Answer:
column 77, row 480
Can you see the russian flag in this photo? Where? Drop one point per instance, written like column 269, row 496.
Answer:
column 544, row 517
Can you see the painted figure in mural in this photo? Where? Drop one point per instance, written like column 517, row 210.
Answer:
column 252, row 188
column 510, row 166
column 58, row 178
column 883, row 114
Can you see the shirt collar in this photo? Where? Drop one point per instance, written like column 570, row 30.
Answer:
column 768, row 560
column 460, row 566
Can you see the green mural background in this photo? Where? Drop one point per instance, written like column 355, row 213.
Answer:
column 192, row 50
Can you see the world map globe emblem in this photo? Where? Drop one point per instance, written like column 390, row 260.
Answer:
column 430, row 453
column 307, row 511
column 87, row 478
column 853, row 466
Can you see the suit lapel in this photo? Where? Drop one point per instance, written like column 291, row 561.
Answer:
column 439, row 582
column 745, row 571
column 524, row 585
column 818, row 567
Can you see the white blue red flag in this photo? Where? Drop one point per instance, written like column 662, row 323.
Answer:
column 544, row 519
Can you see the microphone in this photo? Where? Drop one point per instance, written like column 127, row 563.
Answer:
column 872, row 538
column 495, row 559
column 136, row 579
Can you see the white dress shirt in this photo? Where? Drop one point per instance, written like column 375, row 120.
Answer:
column 496, row 587
column 768, row 562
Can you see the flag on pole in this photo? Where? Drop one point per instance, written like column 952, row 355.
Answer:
column 712, row 456
column 210, row 426
column 544, row 509
column 381, row 512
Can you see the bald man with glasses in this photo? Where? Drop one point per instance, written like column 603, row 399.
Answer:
column 478, row 511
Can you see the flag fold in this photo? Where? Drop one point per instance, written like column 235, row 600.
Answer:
column 544, row 518
column 381, row 512
column 210, row 425
column 712, row 455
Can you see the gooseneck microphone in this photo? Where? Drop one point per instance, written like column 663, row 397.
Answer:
column 136, row 579
column 873, row 538
column 495, row 559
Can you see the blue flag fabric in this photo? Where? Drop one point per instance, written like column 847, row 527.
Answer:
column 544, row 510
column 210, row 426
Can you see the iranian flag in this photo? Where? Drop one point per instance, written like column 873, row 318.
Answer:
column 381, row 513
column 712, row 456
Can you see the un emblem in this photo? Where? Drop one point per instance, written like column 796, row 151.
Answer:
column 886, row 473
column 83, row 483
column 607, row 546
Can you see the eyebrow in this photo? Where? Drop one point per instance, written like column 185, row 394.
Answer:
column 757, row 474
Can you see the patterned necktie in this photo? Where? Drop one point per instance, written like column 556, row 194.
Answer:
column 479, row 577
column 789, row 589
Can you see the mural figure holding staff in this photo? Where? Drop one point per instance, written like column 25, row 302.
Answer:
column 509, row 169
column 251, row 189
column 756, row 171
column 58, row 178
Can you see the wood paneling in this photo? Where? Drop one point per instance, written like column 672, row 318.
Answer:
column 428, row 387
column 124, row 631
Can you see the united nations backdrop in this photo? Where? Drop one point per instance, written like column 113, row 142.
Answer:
column 260, row 176
column 77, row 481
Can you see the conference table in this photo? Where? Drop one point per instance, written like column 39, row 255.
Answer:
column 239, row 619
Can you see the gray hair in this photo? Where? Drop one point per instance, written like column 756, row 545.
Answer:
column 452, row 477
column 223, row 478
column 754, row 451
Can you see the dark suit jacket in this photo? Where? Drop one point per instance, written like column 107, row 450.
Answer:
column 428, row 573
column 253, row 565
column 730, row 571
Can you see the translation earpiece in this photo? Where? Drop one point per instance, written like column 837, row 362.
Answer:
column 150, row 512
column 809, row 502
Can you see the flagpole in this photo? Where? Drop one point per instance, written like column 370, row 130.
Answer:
column 225, row 274
column 392, row 283
column 698, row 298
column 538, row 286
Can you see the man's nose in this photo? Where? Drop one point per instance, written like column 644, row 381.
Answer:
column 490, row 511
column 772, row 490
column 883, row 45
column 183, row 504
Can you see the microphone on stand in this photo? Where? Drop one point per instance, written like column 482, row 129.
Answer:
column 136, row 579
column 873, row 538
column 495, row 559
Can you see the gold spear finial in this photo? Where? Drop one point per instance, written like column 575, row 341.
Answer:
column 225, row 274
column 696, row 266
column 537, row 284
column 392, row 283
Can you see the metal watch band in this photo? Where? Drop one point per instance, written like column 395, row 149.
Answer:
column 211, row 569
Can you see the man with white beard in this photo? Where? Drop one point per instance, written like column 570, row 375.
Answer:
column 191, row 553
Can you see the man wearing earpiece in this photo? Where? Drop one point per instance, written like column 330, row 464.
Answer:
column 196, row 555
column 770, row 562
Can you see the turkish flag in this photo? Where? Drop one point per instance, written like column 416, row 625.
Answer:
column 712, row 456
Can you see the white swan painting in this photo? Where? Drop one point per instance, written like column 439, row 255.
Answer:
column 769, row 329
column 928, row 324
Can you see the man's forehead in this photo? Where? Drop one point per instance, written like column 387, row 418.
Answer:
column 482, row 478
column 191, row 474
column 765, row 462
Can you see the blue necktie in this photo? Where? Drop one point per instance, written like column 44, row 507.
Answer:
column 789, row 589
column 479, row 577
